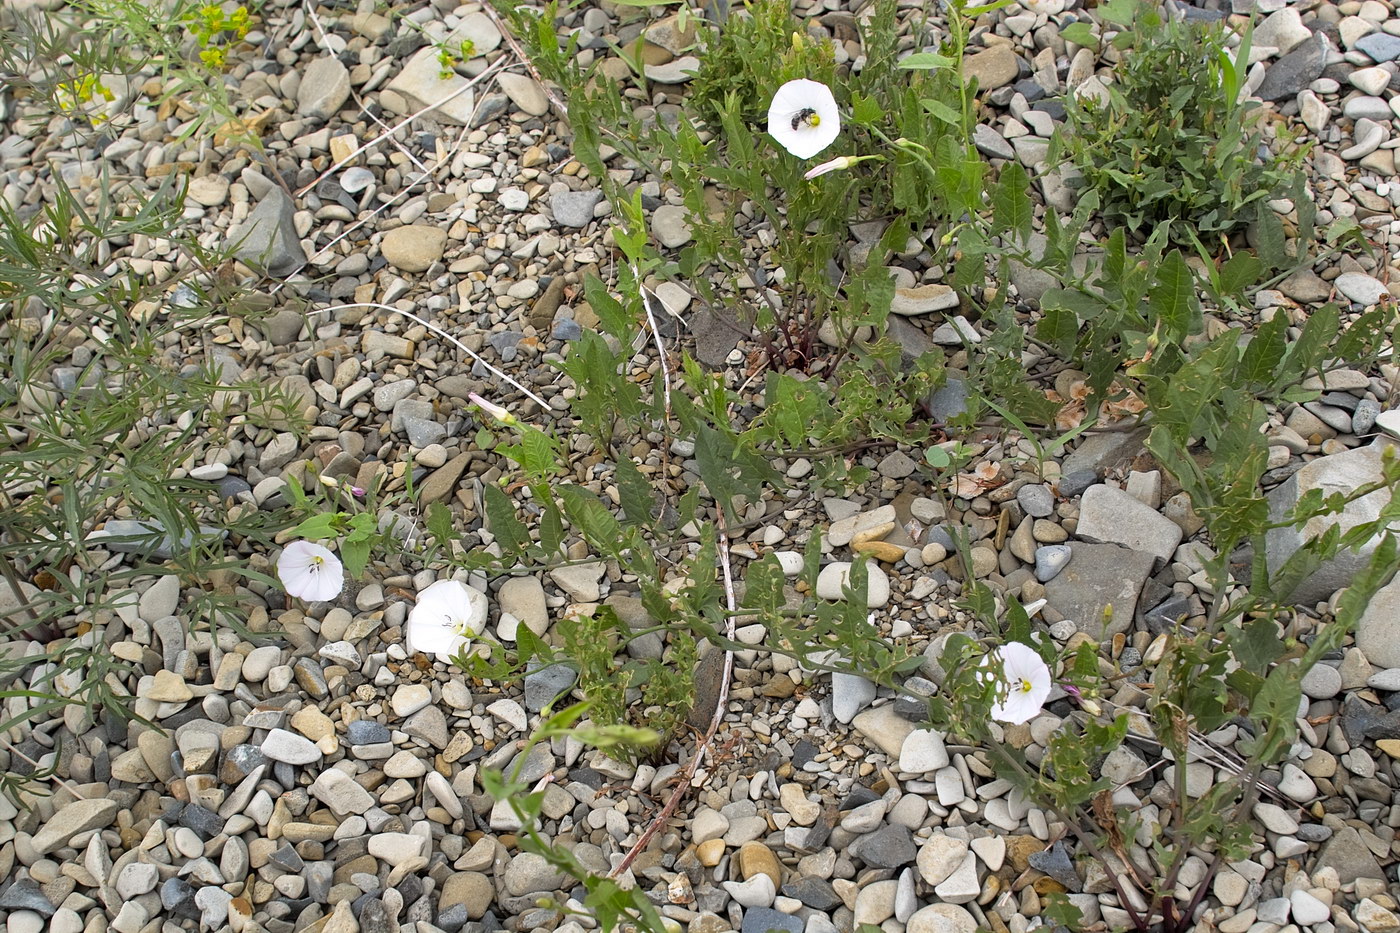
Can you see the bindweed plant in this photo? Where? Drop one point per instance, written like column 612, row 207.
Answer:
column 780, row 151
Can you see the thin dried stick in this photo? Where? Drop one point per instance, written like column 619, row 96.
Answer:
column 554, row 98
column 444, row 335
column 490, row 72
column 688, row 773
column 320, row 30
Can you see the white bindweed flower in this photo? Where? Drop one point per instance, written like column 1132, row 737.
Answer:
column 803, row 117
column 309, row 571
column 447, row 615
column 494, row 410
column 1025, row 684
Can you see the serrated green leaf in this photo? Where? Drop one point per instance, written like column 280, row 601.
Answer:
column 591, row 518
column 508, row 530
column 638, row 498
column 1011, row 203
column 1172, row 299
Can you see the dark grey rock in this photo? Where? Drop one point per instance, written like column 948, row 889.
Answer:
column 816, row 893
column 206, row 823
column 231, row 487
column 1295, row 71
column 1164, row 616
column 1100, row 577
column 763, row 919
column 949, row 401
column 268, row 241
column 1362, row 720
column 1314, row 832
column 1073, row 484
column 889, row 846
column 177, row 897
column 1056, row 862
column 24, row 894
column 543, row 684
column 367, row 732
column 1102, row 452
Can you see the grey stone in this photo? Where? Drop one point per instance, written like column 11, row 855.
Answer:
column 1050, row 559
column 24, row 894
column 1336, row 473
column 421, row 83
column 1295, row 71
column 887, row 847
column 325, row 86
column 1362, row 720
column 1379, row 46
column 991, row 143
column 128, row 536
column 544, row 684
column 1348, row 855
column 267, row 241
column 1361, row 288
column 574, row 208
column 949, row 401
column 764, row 919
column 1056, row 862
column 1100, row 577
column 1108, row 515
column 1037, row 500
column 1101, row 453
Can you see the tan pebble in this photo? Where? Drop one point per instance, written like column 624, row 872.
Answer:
column 1390, row 746
column 873, row 533
column 756, row 858
column 880, row 550
column 710, row 852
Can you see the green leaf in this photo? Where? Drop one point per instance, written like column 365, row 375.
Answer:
column 1011, row 204
column 319, row 527
column 1256, row 644
column 591, row 518
column 508, row 530
column 1264, row 352
column 942, row 111
column 1080, row 34
column 1239, row 272
column 638, row 498
column 611, row 314
column 439, row 521
column 1172, row 299
column 927, row 60
column 356, row 555
column 866, row 110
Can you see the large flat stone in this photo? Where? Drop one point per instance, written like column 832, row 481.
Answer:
column 1099, row 576
column 1337, row 473
column 1108, row 515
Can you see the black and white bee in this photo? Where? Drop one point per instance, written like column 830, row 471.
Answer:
column 805, row 117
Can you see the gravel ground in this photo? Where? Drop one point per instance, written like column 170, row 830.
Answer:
column 324, row 779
